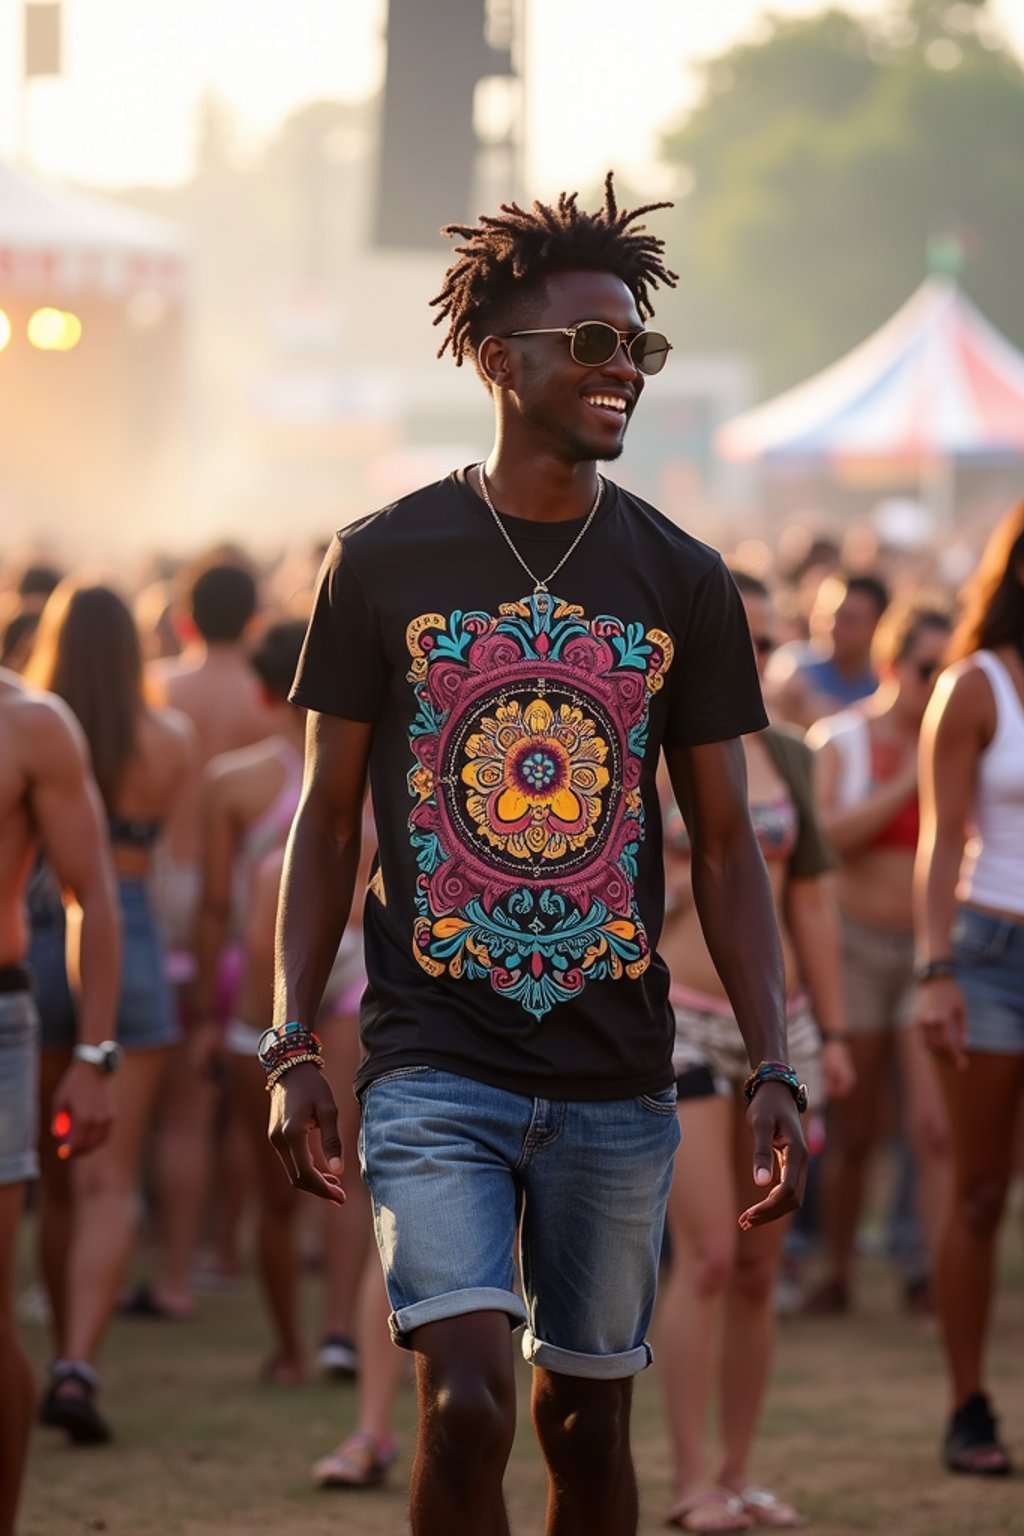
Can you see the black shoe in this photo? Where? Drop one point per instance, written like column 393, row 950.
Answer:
column 70, row 1404
column 972, row 1441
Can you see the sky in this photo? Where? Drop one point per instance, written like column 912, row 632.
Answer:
column 604, row 77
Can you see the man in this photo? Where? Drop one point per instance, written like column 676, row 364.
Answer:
column 213, row 684
column 46, row 796
column 509, row 679
column 806, row 682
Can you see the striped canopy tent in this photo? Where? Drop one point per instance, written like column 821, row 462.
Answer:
column 935, row 385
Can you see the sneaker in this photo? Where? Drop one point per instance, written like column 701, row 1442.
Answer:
column 70, row 1404
column 337, row 1356
column 972, row 1441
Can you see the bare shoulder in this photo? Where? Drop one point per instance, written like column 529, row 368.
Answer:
column 48, row 738
column 964, row 689
column 962, row 707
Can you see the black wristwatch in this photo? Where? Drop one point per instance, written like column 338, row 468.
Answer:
column 106, row 1056
column 934, row 970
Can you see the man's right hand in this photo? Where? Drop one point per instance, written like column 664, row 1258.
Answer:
column 86, row 1096
column 300, row 1101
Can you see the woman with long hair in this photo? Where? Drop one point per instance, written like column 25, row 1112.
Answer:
column 716, row 1313
column 867, row 797
column 87, row 651
column 969, row 919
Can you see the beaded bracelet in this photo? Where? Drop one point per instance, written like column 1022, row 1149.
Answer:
column 272, row 1057
column 281, row 1057
column 776, row 1072
column 280, row 1041
column 293, row 1061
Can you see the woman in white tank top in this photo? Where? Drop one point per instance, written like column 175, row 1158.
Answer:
column 969, row 920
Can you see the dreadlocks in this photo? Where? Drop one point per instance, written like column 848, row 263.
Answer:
column 508, row 256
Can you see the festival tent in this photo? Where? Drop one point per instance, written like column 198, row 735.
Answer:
column 935, row 385
column 59, row 241
column 95, row 310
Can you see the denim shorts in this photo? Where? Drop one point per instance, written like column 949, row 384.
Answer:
column 989, row 956
column 459, row 1171
column 145, row 1010
column 19, row 1090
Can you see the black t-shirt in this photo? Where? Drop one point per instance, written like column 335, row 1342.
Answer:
column 512, row 924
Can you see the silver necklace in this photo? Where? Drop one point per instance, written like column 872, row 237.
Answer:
column 538, row 584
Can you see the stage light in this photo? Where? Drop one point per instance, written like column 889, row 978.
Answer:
column 5, row 330
column 54, row 330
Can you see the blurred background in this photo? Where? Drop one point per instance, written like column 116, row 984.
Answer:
column 219, row 233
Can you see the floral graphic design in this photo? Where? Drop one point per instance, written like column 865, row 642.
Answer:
column 538, row 775
column 528, row 746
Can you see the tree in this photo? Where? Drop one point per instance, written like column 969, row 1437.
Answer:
column 823, row 158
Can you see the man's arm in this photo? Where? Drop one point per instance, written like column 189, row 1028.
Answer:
column 733, row 897
column 317, row 885
column 68, row 815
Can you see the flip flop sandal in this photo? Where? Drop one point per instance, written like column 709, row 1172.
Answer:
column 766, row 1508
column 143, row 1302
column 360, row 1461
column 972, row 1442
column 712, row 1509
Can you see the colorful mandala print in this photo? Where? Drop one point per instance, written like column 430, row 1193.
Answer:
column 529, row 742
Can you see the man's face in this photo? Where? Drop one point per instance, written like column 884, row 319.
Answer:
column 582, row 412
column 853, row 625
column 847, row 619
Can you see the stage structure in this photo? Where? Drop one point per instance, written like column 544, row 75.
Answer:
column 452, row 116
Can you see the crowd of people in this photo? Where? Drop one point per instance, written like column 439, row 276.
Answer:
column 183, row 776
column 196, row 760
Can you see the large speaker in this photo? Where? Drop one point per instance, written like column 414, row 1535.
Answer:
column 436, row 54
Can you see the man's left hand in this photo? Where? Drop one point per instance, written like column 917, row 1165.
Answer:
column 774, row 1122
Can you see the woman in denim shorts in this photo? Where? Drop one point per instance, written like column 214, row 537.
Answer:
column 970, row 940
column 87, row 652
column 721, row 1281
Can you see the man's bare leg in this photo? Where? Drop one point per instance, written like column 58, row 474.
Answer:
column 467, row 1421
column 16, row 1392
column 583, row 1429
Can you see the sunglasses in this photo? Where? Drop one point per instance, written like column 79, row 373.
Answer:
column 592, row 343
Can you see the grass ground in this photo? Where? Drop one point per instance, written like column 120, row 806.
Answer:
column 850, row 1433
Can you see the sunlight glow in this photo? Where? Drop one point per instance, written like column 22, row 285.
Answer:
column 54, row 330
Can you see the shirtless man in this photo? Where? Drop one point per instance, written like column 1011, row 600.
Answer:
column 213, row 684
column 46, row 796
